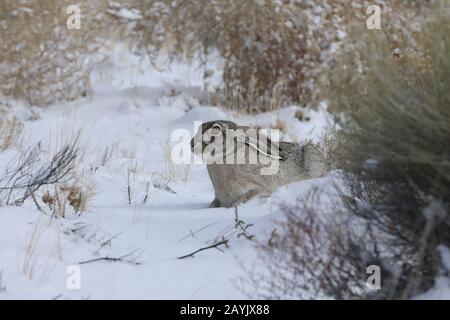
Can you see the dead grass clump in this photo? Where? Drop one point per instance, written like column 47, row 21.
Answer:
column 259, row 40
column 10, row 128
column 41, row 60
column 73, row 197
column 274, row 51
column 398, row 44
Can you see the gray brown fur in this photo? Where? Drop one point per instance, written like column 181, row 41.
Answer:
column 236, row 183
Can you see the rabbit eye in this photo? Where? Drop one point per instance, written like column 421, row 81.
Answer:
column 216, row 130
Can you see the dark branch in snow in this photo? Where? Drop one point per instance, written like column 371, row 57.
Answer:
column 214, row 245
column 25, row 175
column 116, row 259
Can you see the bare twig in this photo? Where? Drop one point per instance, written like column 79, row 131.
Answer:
column 193, row 233
column 57, row 296
column 114, row 259
column 146, row 196
column 417, row 273
column 108, row 241
column 241, row 226
column 2, row 286
column 26, row 174
column 128, row 187
column 214, row 245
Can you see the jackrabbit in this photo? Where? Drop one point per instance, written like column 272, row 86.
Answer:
column 230, row 152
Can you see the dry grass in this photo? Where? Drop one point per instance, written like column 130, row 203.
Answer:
column 10, row 128
column 396, row 109
column 66, row 198
column 274, row 51
column 41, row 60
column 32, row 252
column 43, row 249
column 245, row 34
column 36, row 260
column 173, row 172
column 397, row 44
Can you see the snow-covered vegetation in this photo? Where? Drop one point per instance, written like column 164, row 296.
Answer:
column 93, row 205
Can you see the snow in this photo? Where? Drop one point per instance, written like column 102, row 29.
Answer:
column 121, row 12
column 130, row 117
column 441, row 289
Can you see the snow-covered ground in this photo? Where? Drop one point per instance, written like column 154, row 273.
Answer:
column 125, row 137
column 125, row 131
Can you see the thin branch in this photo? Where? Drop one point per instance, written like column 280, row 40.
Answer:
column 108, row 241
column 114, row 259
column 25, row 175
column 193, row 233
column 215, row 245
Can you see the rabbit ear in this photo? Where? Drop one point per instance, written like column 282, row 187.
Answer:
column 267, row 151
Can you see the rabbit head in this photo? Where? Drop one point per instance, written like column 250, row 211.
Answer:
column 220, row 140
column 210, row 140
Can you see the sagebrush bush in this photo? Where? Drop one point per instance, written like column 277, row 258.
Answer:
column 41, row 60
column 394, row 200
column 396, row 110
column 395, row 133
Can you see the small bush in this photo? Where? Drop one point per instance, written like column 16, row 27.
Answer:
column 28, row 173
column 69, row 197
column 323, row 252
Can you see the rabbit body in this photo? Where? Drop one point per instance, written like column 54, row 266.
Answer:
column 235, row 183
